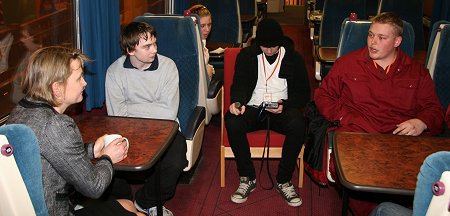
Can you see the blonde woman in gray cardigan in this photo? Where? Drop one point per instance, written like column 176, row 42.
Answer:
column 54, row 81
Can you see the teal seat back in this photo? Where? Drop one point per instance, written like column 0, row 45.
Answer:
column 176, row 38
column 354, row 36
column 438, row 60
column 26, row 152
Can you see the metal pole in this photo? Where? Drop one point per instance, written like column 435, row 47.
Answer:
column 77, row 32
column 169, row 6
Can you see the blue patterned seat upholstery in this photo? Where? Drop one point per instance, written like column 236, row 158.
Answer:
column 334, row 12
column 249, row 10
column 438, row 63
column 177, row 39
column 410, row 11
column 226, row 21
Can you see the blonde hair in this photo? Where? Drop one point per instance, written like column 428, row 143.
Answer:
column 200, row 10
column 392, row 19
column 47, row 66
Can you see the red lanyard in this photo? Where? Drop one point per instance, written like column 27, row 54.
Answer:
column 274, row 69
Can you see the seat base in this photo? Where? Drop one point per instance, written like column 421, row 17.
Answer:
column 15, row 199
column 194, row 146
column 215, row 104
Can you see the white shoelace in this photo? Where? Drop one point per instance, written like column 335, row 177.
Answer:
column 288, row 190
column 243, row 188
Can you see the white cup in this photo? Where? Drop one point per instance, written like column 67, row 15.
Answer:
column 111, row 137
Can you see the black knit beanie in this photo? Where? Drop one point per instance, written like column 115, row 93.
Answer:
column 269, row 33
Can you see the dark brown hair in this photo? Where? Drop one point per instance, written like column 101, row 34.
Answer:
column 132, row 34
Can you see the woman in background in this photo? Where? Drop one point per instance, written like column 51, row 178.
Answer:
column 205, row 25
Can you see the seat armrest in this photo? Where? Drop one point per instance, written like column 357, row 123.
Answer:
column 197, row 116
column 324, row 57
column 214, row 87
column 245, row 37
column 248, row 18
column 262, row 8
column 314, row 38
column 326, row 54
column 315, row 16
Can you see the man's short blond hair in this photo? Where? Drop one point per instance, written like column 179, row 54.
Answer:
column 392, row 19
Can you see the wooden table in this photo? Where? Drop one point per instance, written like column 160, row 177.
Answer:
column 382, row 163
column 149, row 138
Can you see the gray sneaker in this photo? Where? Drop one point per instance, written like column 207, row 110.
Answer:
column 245, row 188
column 289, row 195
column 153, row 211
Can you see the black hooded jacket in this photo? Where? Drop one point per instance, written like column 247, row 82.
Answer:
column 292, row 69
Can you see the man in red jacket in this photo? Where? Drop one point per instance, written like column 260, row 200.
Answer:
column 379, row 89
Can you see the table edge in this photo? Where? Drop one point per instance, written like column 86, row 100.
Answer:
column 358, row 187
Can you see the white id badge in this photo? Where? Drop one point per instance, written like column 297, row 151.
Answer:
column 267, row 97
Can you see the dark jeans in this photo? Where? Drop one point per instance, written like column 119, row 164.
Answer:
column 290, row 123
column 172, row 164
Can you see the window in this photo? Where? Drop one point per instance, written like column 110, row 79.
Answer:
column 24, row 27
column 129, row 9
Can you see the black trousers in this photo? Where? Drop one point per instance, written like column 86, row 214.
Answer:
column 108, row 207
column 290, row 123
column 172, row 164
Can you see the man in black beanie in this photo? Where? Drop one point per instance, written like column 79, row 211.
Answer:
column 269, row 70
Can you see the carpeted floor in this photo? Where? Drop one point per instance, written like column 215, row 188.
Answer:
column 204, row 196
column 292, row 15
